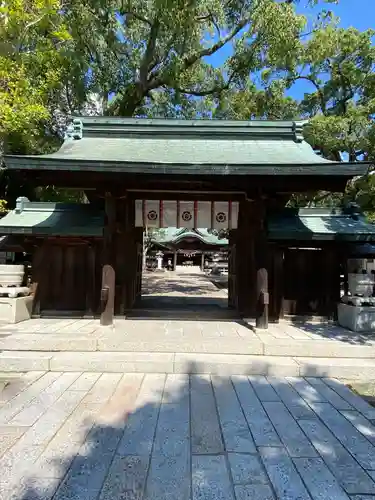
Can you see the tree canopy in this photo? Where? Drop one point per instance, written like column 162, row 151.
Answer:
column 188, row 59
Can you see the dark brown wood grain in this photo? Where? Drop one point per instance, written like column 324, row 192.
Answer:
column 108, row 270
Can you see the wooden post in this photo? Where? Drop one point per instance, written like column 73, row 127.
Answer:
column 332, row 286
column 37, row 273
column 90, row 288
column 108, row 271
column 261, row 262
column 275, row 282
column 244, row 263
column 232, row 271
column 252, row 262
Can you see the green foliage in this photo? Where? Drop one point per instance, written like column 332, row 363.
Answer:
column 155, row 55
column 33, row 56
column 3, row 207
column 159, row 58
column 32, row 34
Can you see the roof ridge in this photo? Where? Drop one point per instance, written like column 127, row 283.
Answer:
column 103, row 126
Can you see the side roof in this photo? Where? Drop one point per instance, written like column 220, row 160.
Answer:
column 320, row 224
column 60, row 219
column 52, row 219
column 199, row 147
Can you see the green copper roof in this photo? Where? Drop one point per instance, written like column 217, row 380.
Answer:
column 199, row 147
column 173, row 235
column 320, row 224
column 54, row 219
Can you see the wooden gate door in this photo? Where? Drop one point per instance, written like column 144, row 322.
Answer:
column 66, row 275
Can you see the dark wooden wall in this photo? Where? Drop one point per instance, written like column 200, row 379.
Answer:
column 67, row 272
column 310, row 281
column 66, row 276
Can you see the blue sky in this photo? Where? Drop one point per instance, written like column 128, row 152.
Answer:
column 357, row 13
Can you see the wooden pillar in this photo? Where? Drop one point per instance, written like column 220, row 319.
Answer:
column 108, row 269
column 262, row 294
column 276, row 282
column 344, row 263
column 252, row 262
column 244, row 263
column 38, row 269
column 90, row 287
column 139, row 261
column 232, row 271
column 332, row 285
column 261, row 264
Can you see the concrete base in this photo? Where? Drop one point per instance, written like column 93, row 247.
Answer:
column 187, row 363
column 15, row 310
column 356, row 318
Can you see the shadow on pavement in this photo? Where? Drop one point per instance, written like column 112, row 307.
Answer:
column 197, row 437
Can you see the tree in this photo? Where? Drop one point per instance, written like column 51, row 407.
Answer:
column 33, row 46
column 32, row 34
column 149, row 54
column 339, row 66
column 150, row 235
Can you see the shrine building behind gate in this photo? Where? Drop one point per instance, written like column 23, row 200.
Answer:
column 237, row 176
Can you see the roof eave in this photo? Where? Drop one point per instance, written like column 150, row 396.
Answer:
column 47, row 231
column 14, row 162
column 310, row 236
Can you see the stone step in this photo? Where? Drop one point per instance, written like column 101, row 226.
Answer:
column 218, row 364
column 48, row 342
column 113, row 341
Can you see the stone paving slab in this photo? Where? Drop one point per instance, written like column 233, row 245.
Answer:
column 182, row 363
column 136, row 436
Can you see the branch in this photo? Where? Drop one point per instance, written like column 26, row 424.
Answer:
column 149, row 54
column 159, row 60
column 158, row 80
column 319, row 90
column 214, row 90
column 346, row 86
column 193, row 58
column 27, row 27
column 210, row 17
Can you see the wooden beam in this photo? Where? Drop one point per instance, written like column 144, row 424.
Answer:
column 108, row 270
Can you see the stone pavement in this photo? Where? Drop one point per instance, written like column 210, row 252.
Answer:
column 173, row 346
column 115, row 436
column 171, row 290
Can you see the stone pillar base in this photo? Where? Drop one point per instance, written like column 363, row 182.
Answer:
column 15, row 310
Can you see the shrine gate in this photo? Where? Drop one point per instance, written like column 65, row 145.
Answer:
column 237, row 176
